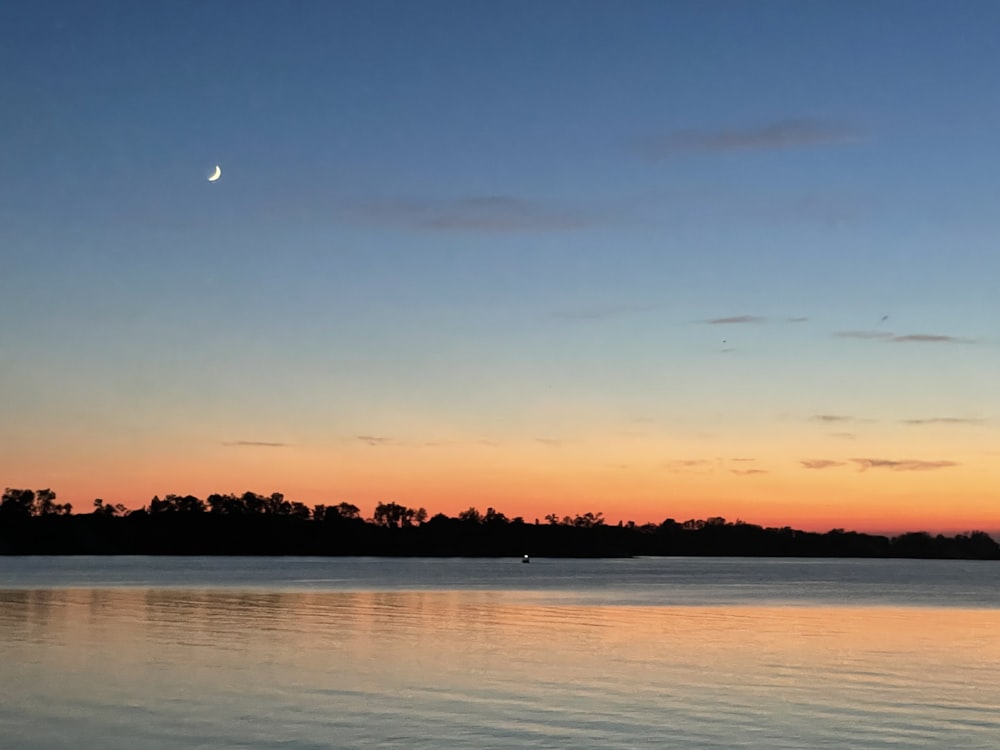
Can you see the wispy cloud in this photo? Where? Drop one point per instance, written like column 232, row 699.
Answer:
column 863, row 335
column 831, row 418
column 931, row 338
column 682, row 464
column 550, row 442
column 374, row 439
column 820, row 463
column 485, row 213
column 943, row 420
column 843, row 435
column 734, row 320
column 796, row 319
column 925, row 338
column 901, row 465
column 781, row 134
column 747, row 472
column 254, row 444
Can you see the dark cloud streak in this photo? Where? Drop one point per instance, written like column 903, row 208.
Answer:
column 820, row 463
column 374, row 440
column 781, row 134
column 488, row 213
column 943, row 420
column 901, row 464
column 863, row 335
column 735, row 319
column 930, row 338
column 924, row 338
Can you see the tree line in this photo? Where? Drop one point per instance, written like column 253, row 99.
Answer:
column 32, row 522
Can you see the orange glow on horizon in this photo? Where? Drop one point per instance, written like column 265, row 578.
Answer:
column 629, row 479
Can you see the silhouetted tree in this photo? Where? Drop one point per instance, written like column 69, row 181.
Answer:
column 299, row 510
column 186, row 503
column 229, row 505
column 589, row 520
column 348, row 510
column 257, row 524
column 109, row 510
column 18, row 503
column 395, row 515
column 471, row 515
column 276, row 505
column 251, row 502
column 494, row 518
column 45, row 503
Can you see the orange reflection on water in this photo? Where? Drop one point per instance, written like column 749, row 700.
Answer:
column 307, row 628
column 504, row 664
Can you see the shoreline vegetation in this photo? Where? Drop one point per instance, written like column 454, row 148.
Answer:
column 33, row 523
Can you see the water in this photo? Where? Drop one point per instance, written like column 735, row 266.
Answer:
column 156, row 653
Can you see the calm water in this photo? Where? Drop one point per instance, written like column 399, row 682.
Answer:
column 372, row 653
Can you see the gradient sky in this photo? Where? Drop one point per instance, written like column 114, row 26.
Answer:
column 655, row 259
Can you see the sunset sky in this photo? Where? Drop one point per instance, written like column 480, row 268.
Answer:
column 655, row 259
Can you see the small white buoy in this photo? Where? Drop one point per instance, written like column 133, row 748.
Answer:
column 525, row 559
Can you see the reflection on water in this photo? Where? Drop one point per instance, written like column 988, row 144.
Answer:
column 649, row 581
column 216, row 668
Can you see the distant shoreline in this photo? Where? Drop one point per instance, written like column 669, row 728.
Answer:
column 203, row 533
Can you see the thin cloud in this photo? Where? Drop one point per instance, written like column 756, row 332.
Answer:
column 901, row 465
column 550, row 442
column 843, row 435
column 782, row 134
column 487, row 213
column 254, row 444
column 797, row 319
column 863, row 335
column 374, row 439
column 681, row 464
column 821, row 463
column 919, row 338
column 831, row 418
column 735, row 319
column 931, row 338
column 943, row 420
column 747, row 472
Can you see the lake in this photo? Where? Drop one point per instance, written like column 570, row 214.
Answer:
column 306, row 653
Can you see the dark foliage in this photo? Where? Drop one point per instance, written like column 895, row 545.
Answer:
column 31, row 522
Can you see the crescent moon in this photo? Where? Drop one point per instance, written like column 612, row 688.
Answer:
column 217, row 174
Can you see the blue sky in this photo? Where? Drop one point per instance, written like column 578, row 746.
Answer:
column 510, row 220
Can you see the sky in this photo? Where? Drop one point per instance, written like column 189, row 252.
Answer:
column 653, row 259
